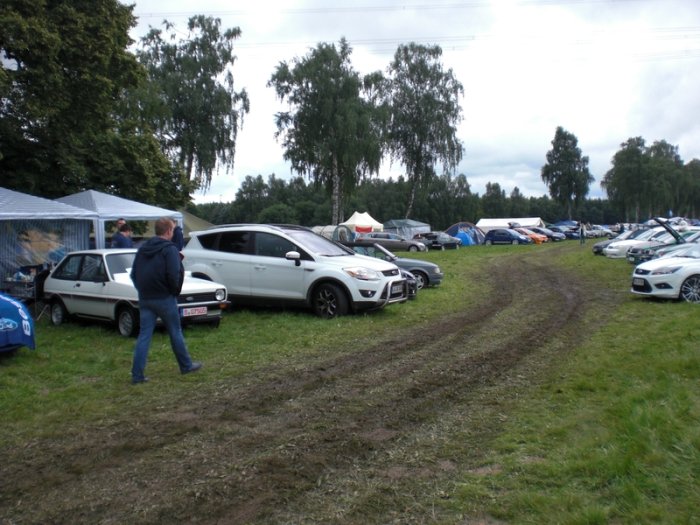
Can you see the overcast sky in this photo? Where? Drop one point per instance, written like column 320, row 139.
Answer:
column 604, row 70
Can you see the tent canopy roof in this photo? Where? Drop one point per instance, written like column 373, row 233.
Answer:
column 400, row 223
column 15, row 205
column 110, row 207
column 490, row 224
column 363, row 221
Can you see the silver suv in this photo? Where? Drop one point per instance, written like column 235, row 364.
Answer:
column 291, row 265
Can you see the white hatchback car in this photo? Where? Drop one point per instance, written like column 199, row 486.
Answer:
column 618, row 249
column 291, row 265
column 670, row 277
column 96, row 284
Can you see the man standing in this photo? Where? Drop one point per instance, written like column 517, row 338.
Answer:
column 158, row 275
column 120, row 222
column 122, row 239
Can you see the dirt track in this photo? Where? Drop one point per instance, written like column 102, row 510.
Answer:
column 375, row 435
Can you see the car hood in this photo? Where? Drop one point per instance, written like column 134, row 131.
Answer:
column 669, row 229
column 348, row 261
column 189, row 285
column 655, row 264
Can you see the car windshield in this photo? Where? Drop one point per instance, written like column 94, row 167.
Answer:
column 692, row 252
column 120, row 262
column 317, row 244
column 385, row 251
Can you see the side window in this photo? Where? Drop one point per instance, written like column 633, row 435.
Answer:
column 93, row 269
column 234, row 242
column 208, row 241
column 268, row 245
column 69, row 269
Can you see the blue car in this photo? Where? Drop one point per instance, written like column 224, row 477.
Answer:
column 505, row 236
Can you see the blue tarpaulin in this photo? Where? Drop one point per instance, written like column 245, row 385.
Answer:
column 16, row 325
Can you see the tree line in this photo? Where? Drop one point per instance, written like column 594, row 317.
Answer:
column 445, row 200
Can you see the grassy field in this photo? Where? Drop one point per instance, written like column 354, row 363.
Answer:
column 610, row 435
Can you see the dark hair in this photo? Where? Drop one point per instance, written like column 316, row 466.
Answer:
column 125, row 227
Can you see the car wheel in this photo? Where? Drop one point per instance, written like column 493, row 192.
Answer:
column 329, row 301
column 127, row 321
column 59, row 314
column 413, row 248
column 421, row 279
column 488, row 242
column 690, row 289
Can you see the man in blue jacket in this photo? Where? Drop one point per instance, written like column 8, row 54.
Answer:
column 158, row 275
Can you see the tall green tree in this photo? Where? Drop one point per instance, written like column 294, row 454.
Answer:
column 625, row 180
column 566, row 171
column 494, row 202
column 190, row 101
column 423, row 99
column 64, row 66
column 330, row 133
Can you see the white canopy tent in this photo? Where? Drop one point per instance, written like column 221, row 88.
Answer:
column 35, row 231
column 523, row 222
column 363, row 222
column 110, row 208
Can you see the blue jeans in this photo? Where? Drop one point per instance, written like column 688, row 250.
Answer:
column 149, row 311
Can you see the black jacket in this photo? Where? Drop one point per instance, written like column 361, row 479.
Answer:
column 157, row 272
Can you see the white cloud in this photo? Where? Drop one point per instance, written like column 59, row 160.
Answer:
column 604, row 70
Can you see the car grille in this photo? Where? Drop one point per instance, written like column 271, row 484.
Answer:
column 391, row 273
column 640, row 271
column 192, row 298
column 644, row 288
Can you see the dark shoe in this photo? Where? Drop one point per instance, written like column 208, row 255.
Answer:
column 138, row 381
column 193, row 367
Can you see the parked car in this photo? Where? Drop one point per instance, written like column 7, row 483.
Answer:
column 438, row 240
column 569, row 233
column 618, row 249
column 391, row 241
column 551, row 234
column 505, row 236
column 96, row 284
column 596, row 231
column 537, row 238
column 646, row 251
column 291, row 265
column 425, row 272
column 627, row 234
column 677, row 250
column 670, row 277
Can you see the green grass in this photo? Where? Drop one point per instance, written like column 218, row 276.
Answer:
column 610, row 436
column 613, row 436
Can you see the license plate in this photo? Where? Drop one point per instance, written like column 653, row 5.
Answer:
column 396, row 288
column 189, row 312
column 637, row 281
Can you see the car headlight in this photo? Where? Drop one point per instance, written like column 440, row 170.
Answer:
column 666, row 270
column 220, row 294
column 436, row 269
column 362, row 273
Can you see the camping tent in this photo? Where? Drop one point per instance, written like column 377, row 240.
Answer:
column 363, row 222
column 524, row 222
column 406, row 228
column 338, row 233
column 36, row 231
column 467, row 232
column 110, row 207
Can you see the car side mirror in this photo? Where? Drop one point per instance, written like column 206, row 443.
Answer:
column 293, row 256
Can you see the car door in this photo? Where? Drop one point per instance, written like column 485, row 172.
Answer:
column 274, row 276
column 229, row 257
column 91, row 293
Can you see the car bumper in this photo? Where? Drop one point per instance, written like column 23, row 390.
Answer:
column 660, row 286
